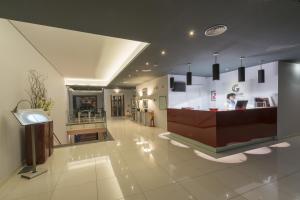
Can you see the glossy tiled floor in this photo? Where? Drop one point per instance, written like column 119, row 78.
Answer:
column 143, row 164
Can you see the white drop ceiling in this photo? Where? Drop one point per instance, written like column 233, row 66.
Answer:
column 81, row 58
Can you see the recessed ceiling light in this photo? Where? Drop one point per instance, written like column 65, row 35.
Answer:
column 137, row 70
column 191, row 33
column 147, row 63
column 163, row 52
column 125, row 82
column 146, row 70
column 155, row 65
column 216, row 30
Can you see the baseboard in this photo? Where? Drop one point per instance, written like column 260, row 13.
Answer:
column 200, row 146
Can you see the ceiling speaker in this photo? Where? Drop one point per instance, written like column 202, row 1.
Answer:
column 241, row 74
column 216, row 71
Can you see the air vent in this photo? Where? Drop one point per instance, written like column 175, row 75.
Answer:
column 216, row 30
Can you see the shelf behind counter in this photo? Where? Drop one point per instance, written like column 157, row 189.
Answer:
column 222, row 128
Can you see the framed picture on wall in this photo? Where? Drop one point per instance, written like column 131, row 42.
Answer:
column 145, row 103
column 213, row 95
column 144, row 92
column 163, row 102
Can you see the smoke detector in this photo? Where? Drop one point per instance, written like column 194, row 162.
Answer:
column 216, row 30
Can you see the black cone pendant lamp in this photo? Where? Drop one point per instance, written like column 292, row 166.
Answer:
column 172, row 82
column 216, row 68
column 241, row 71
column 261, row 74
column 189, row 75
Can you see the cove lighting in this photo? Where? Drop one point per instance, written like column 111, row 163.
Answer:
column 164, row 136
column 179, row 144
column 259, row 151
column 89, row 82
column 236, row 158
column 281, row 145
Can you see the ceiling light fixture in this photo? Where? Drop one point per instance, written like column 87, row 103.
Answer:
column 216, row 30
column 216, row 68
column 241, row 71
column 189, row 75
column 147, row 63
column 146, row 70
column 163, row 52
column 191, row 33
column 137, row 70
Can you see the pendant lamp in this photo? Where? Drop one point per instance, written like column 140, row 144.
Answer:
column 216, row 68
column 261, row 74
column 189, row 75
column 241, row 72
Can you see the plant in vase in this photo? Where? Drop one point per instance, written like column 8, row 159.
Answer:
column 37, row 92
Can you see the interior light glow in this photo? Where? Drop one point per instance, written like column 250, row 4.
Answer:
column 164, row 135
column 36, row 118
column 147, row 148
column 146, row 70
column 178, row 144
column 191, row 33
column 281, row 145
column 259, row 151
column 236, row 158
column 297, row 69
column 117, row 90
column 81, row 163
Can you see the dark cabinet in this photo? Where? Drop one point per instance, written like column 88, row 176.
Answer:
column 43, row 142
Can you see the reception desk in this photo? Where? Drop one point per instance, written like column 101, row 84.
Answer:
column 222, row 128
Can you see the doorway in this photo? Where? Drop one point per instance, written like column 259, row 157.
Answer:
column 117, row 105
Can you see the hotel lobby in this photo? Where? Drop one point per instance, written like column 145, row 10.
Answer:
column 179, row 100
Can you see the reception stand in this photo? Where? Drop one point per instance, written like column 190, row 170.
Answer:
column 222, row 130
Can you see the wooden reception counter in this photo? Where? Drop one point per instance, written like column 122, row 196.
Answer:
column 222, row 128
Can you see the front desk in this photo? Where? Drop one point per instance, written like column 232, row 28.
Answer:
column 223, row 128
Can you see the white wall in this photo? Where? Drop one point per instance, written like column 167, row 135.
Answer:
column 17, row 57
column 289, row 98
column 196, row 95
column 128, row 95
column 249, row 89
column 157, row 87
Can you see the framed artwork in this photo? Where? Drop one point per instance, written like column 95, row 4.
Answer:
column 86, row 102
column 213, row 95
column 163, row 102
column 145, row 92
column 145, row 103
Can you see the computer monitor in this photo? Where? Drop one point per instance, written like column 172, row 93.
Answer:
column 241, row 104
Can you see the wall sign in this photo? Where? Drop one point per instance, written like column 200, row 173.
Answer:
column 213, row 95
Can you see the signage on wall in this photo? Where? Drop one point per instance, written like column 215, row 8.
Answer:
column 213, row 95
column 237, row 89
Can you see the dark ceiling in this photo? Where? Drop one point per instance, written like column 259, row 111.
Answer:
column 266, row 30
